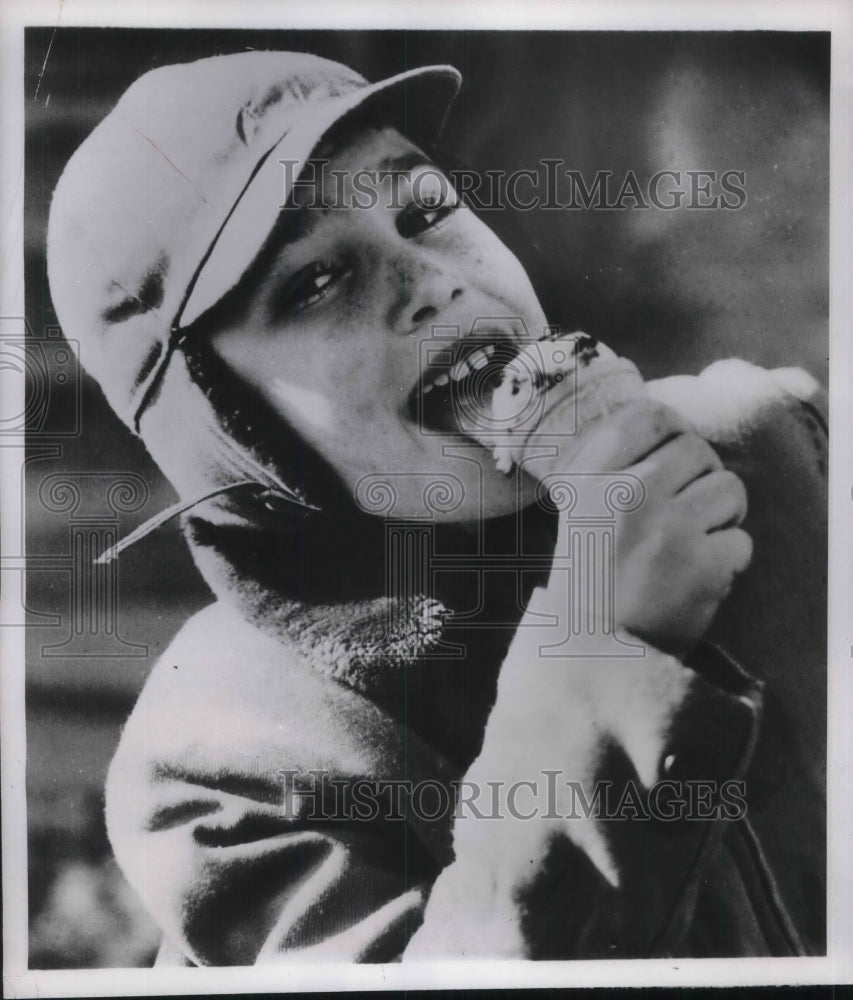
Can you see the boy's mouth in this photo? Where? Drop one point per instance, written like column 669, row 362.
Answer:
column 455, row 390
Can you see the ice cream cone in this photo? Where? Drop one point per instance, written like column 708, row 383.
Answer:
column 548, row 393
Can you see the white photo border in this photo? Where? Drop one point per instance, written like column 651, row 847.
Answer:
column 824, row 15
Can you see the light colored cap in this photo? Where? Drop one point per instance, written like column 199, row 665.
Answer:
column 165, row 205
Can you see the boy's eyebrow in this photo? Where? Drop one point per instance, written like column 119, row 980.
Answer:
column 295, row 222
column 298, row 220
column 405, row 162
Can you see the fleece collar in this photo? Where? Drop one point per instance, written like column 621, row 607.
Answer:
column 366, row 644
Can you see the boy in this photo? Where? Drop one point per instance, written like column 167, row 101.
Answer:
column 280, row 366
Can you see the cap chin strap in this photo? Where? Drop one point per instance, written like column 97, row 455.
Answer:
column 268, row 496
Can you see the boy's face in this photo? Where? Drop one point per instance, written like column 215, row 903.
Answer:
column 382, row 284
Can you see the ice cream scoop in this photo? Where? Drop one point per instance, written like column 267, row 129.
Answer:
column 549, row 391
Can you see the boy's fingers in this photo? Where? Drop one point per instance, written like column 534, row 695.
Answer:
column 672, row 467
column 731, row 551
column 717, row 499
column 626, row 436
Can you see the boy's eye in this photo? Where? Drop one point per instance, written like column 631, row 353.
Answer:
column 307, row 285
column 433, row 200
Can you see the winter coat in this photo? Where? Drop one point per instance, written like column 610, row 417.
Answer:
column 251, row 801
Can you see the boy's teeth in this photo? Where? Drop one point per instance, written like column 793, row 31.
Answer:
column 476, row 360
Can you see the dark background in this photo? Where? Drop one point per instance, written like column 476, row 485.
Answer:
column 673, row 290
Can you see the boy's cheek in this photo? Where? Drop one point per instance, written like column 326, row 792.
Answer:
column 304, row 406
column 502, row 275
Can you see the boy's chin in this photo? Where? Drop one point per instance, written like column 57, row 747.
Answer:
column 456, row 481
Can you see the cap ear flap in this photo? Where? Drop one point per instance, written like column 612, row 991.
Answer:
column 256, row 427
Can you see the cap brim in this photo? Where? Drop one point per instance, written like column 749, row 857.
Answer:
column 427, row 95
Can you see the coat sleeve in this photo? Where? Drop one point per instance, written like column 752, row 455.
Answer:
column 613, row 779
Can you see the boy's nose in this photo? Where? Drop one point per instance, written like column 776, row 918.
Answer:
column 424, row 288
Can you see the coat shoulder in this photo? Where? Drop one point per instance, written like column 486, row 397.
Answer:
column 225, row 696
column 215, row 658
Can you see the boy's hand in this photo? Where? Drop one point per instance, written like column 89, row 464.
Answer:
column 677, row 554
